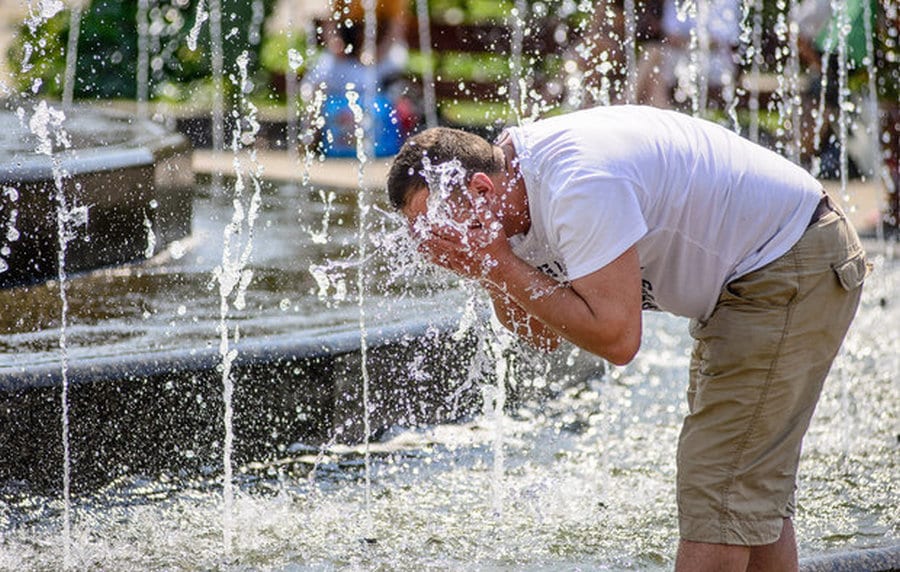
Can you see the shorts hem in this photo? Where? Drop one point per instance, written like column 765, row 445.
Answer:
column 733, row 531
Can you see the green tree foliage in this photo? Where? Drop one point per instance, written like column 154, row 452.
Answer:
column 108, row 47
column 887, row 52
column 37, row 57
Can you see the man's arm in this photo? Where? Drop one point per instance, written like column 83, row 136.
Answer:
column 520, row 323
column 600, row 312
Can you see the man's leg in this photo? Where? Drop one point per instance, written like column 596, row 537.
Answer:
column 700, row 556
column 756, row 373
column 782, row 555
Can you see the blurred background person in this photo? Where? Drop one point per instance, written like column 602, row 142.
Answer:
column 697, row 46
column 342, row 67
column 344, row 35
column 817, row 41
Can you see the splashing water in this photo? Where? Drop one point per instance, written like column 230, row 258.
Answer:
column 331, row 279
column 47, row 124
column 787, row 65
column 11, row 233
column 517, row 83
column 428, row 94
column 839, row 9
column 879, row 169
column 234, row 276
column 792, row 70
column 445, row 181
column 755, row 67
column 362, row 236
column 320, row 235
column 71, row 55
column 151, row 238
column 254, row 32
column 630, row 48
column 295, row 61
column 41, row 11
column 494, row 404
column 143, row 57
column 218, row 69
column 201, row 16
column 314, row 122
column 816, row 166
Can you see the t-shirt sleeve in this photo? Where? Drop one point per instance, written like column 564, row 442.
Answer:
column 594, row 220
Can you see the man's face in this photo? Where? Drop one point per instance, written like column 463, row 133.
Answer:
column 416, row 205
column 451, row 216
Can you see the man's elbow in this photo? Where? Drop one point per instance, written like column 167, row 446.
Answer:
column 623, row 356
column 623, row 350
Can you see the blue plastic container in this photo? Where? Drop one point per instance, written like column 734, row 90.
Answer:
column 339, row 133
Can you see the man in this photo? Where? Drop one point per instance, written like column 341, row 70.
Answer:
column 575, row 224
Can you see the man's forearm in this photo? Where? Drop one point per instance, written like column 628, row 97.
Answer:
column 604, row 327
column 521, row 323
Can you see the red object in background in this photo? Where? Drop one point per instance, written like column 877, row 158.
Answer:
column 407, row 120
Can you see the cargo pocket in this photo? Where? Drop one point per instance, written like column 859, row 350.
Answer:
column 852, row 272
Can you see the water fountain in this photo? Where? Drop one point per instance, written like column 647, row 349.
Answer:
column 124, row 172
column 344, row 370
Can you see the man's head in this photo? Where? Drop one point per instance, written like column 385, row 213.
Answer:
column 439, row 145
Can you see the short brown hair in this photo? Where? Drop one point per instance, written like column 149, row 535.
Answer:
column 439, row 144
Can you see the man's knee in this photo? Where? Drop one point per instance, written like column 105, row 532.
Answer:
column 702, row 556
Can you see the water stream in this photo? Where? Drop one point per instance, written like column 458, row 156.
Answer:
column 839, row 9
column 142, row 74
column 428, row 97
column 71, row 55
column 218, row 75
column 46, row 123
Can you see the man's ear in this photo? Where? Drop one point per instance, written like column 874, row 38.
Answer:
column 481, row 185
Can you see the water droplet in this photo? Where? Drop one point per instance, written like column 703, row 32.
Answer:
column 295, row 59
column 176, row 249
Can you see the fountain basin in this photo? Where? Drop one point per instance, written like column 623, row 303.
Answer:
column 133, row 176
column 161, row 412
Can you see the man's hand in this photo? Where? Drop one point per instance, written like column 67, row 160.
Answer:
column 471, row 247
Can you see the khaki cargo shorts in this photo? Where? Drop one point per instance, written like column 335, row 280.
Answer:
column 757, row 369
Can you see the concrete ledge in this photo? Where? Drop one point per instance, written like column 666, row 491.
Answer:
column 869, row 560
column 304, row 345
column 162, row 413
column 132, row 177
column 282, row 166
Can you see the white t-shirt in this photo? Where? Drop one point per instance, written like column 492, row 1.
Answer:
column 703, row 205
